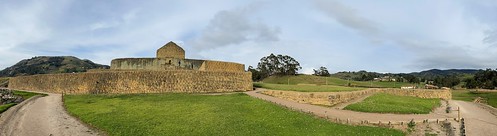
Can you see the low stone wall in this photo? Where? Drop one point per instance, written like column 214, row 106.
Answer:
column 333, row 98
column 118, row 82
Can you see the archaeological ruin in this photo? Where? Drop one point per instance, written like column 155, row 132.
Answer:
column 169, row 71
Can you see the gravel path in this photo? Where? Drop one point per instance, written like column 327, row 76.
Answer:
column 478, row 121
column 41, row 116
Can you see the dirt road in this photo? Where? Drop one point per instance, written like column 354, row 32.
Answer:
column 42, row 116
column 479, row 122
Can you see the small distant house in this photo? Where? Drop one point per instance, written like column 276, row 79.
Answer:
column 408, row 87
column 385, row 79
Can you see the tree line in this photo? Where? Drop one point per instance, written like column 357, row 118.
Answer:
column 485, row 79
column 281, row 65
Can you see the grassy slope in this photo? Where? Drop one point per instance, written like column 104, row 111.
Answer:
column 5, row 107
column 25, row 95
column 386, row 103
column 183, row 114
column 466, row 95
column 307, row 88
column 309, row 79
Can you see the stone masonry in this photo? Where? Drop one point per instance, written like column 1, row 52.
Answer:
column 169, row 72
column 333, row 98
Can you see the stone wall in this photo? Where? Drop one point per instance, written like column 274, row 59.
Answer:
column 333, row 98
column 118, row 82
column 174, row 64
column 210, row 65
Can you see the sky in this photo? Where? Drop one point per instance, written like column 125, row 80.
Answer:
column 348, row 35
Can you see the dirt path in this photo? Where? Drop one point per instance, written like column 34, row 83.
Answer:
column 479, row 122
column 353, row 116
column 41, row 116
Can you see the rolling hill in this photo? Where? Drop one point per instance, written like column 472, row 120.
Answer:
column 50, row 65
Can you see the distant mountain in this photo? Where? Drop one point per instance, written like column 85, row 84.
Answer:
column 424, row 75
column 50, row 65
column 433, row 73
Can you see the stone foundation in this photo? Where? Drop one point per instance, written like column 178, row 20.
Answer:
column 333, row 98
column 142, row 81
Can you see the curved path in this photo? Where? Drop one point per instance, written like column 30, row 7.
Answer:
column 41, row 116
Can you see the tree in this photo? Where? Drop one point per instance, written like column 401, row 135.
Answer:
column 322, row 71
column 276, row 65
column 486, row 79
column 256, row 74
column 447, row 81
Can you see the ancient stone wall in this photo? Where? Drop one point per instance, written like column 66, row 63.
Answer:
column 333, row 98
column 174, row 64
column 156, row 64
column 210, row 65
column 142, row 81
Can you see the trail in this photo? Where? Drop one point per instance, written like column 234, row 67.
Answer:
column 41, row 116
column 478, row 121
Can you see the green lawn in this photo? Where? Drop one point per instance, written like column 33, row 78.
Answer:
column 386, row 103
column 25, row 95
column 4, row 107
column 187, row 114
column 310, row 79
column 466, row 95
column 307, row 88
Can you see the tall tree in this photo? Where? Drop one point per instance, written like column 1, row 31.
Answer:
column 322, row 71
column 278, row 65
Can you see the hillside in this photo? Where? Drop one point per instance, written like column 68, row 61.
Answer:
column 423, row 75
column 49, row 65
column 433, row 73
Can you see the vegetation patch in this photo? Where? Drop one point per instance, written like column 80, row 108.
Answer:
column 10, row 98
column 4, row 107
column 186, row 114
column 467, row 95
column 307, row 87
column 319, row 80
column 387, row 103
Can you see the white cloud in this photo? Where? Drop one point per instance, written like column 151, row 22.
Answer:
column 232, row 27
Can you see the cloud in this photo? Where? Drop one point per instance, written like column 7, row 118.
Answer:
column 439, row 54
column 348, row 17
column 231, row 27
column 491, row 37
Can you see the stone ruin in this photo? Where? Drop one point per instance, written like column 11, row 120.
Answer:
column 169, row 71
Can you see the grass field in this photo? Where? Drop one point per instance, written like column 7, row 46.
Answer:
column 184, row 114
column 25, row 95
column 307, row 88
column 469, row 96
column 310, row 79
column 386, row 103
